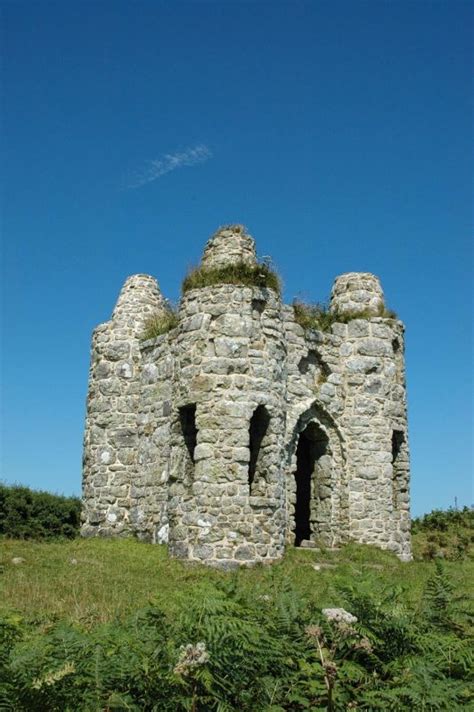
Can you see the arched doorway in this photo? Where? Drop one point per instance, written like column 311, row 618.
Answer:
column 310, row 476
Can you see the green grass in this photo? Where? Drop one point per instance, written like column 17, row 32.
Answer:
column 159, row 324
column 112, row 578
column 102, row 624
column 318, row 316
column 241, row 273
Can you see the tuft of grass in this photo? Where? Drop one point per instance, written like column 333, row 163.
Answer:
column 241, row 273
column 160, row 323
column 318, row 316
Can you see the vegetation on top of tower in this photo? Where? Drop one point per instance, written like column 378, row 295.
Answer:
column 160, row 323
column 241, row 273
column 318, row 316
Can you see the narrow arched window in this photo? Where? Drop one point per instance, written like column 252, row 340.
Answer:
column 187, row 418
column 399, row 466
column 259, row 423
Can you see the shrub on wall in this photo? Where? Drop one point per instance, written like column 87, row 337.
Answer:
column 30, row 514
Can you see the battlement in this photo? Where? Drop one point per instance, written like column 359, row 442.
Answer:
column 238, row 432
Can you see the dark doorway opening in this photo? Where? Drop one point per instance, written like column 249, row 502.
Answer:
column 259, row 423
column 312, row 444
column 187, row 418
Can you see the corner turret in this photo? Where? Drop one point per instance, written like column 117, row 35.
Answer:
column 111, row 440
column 357, row 292
column 139, row 299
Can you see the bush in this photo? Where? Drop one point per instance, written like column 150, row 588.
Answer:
column 28, row 514
column 160, row 323
column 443, row 520
column 318, row 316
column 241, row 273
column 444, row 534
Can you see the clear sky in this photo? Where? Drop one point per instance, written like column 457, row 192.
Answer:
column 339, row 133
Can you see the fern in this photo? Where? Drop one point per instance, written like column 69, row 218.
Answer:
column 269, row 647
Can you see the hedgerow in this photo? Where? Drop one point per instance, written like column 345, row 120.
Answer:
column 444, row 534
column 30, row 514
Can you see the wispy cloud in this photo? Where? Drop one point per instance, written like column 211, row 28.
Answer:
column 170, row 162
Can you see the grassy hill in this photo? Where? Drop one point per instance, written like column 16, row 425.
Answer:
column 116, row 625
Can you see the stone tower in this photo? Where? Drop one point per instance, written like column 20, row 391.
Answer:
column 238, row 432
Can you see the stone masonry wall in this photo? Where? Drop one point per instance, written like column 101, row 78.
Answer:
column 315, row 395
column 229, row 353
column 111, row 437
column 149, row 491
column 238, row 432
column 374, row 409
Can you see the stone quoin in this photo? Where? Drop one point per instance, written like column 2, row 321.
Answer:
column 238, row 432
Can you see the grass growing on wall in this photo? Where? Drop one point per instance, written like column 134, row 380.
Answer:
column 160, row 323
column 241, row 273
column 319, row 317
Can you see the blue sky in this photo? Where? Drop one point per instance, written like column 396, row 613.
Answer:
column 340, row 133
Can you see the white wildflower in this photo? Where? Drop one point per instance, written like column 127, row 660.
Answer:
column 339, row 615
column 191, row 656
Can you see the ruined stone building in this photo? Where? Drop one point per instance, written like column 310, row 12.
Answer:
column 238, row 432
